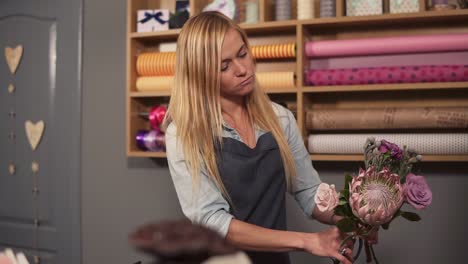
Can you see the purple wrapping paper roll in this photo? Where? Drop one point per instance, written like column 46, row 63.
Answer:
column 403, row 74
column 388, row 45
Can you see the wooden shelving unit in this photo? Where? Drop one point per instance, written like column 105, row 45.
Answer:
column 306, row 97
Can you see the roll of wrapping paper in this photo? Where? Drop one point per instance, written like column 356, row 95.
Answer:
column 403, row 74
column 305, row 9
column 156, row 64
column 156, row 83
column 387, row 118
column 274, row 51
column 387, row 45
column 275, row 80
column 435, row 144
column 436, row 58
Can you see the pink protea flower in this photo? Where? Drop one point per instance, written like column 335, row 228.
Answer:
column 375, row 196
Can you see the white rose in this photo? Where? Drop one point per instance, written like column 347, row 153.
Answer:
column 326, row 197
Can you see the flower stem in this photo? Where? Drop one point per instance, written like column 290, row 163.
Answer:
column 373, row 254
column 368, row 253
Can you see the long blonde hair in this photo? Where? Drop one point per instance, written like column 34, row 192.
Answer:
column 195, row 106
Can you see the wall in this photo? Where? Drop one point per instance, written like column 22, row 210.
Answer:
column 119, row 194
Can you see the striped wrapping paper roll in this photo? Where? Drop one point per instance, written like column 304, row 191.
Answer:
column 387, row 118
column 387, row 45
column 154, row 83
column 283, row 10
column 274, row 51
column 156, row 64
column 275, row 80
column 434, row 144
column 402, row 74
column 305, row 9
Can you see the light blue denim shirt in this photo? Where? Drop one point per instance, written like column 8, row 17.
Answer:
column 207, row 206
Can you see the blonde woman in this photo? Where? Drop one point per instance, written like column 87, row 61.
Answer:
column 233, row 154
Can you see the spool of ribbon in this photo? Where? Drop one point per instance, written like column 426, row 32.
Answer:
column 283, row 10
column 305, row 9
column 150, row 140
column 274, row 51
column 156, row 116
column 251, row 12
column 154, row 83
column 156, row 64
column 276, row 80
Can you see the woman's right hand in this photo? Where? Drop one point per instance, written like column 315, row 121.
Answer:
column 327, row 244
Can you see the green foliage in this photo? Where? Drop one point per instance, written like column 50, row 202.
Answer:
column 346, row 225
column 411, row 216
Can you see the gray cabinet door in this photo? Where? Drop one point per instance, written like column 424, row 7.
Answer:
column 40, row 212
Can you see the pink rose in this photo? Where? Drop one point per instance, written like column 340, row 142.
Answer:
column 326, row 197
column 417, row 192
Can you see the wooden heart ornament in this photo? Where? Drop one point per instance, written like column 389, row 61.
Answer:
column 34, row 132
column 13, row 57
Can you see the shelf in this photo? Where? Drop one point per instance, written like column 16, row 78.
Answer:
column 326, row 157
column 281, row 91
column 163, row 34
column 385, row 87
column 388, row 19
column 359, row 157
column 150, row 94
column 146, row 154
column 269, row 27
column 307, row 98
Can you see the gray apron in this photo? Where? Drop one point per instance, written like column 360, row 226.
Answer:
column 254, row 179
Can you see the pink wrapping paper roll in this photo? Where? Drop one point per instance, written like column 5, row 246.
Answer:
column 402, row 74
column 388, row 45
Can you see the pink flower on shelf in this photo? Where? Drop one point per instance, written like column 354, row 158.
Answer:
column 375, row 196
column 417, row 192
column 395, row 151
column 326, row 197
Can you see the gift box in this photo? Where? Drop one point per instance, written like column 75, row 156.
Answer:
column 149, row 20
column 364, row 7
column 404, row 6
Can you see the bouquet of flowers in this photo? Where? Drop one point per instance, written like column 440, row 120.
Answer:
column 375, row 196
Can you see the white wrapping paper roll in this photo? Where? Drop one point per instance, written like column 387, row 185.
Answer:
column 434, row 144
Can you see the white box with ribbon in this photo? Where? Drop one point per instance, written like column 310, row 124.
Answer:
column 149, row 20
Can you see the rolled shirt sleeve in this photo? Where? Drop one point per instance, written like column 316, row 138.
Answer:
column 204, row 205
column 307, row 178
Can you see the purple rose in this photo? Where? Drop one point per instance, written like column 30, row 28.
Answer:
column 395, row 151
column 417, row 192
